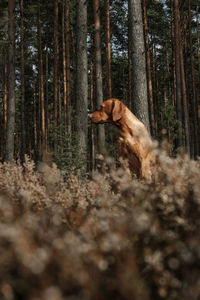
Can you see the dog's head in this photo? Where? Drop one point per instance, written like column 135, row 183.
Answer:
column 111, row 111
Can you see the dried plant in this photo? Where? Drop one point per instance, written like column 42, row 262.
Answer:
column 112, row 237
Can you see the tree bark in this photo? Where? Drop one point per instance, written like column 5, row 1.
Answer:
column 148, row 66
column 56, row 61
column 68, row 76
column 64, row 65
column 108, row 50
column 5, row 91
column 47, row 114
column 23, row 131
column 41, row 86
column 139, row 80
column 98, row 72
column 92, row 106
column 9, row 156
column 177, row 68
column 181, row 96
column 194, row 88
column 82, row 82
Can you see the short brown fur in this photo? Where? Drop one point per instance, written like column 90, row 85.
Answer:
column 134, row 142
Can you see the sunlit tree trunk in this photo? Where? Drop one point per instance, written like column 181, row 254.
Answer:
column 9, row 155
column 82, row 82
column 148, row 64
column 139, row 78
column 92, row 104
column 98, row 72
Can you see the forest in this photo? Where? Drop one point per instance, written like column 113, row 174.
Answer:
column 73, row 223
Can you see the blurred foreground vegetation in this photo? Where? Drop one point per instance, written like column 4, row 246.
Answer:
column 110, row 237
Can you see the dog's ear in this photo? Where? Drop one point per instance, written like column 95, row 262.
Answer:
column 118, row 110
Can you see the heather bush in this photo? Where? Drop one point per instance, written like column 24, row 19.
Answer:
column 110, row 237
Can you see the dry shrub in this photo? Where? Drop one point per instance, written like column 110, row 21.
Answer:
column 112, row 237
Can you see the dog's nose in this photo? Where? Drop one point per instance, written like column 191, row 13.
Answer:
column 90, row 115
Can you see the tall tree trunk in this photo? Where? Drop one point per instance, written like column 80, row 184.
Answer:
column 68, row 76
column 64, row 65
column 56, row 61
column 173, row 84
column 108, row 50
column 11, row 83
column 155, row 91
column 35, row 123
column 41, row 85
column 181, row 95
column 92, row 102
column 139, row 79
column 177, row 68
column 194, row 89
column 98, row 72
column 47, row 114
column 5, row 93
column 23, row 131
column 82, row 82
column 130, row 104
column 198, row 38
column 148, row 66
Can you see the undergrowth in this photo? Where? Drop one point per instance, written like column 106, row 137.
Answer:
column 111, row 237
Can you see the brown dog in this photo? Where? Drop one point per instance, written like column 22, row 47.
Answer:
column 134, row 142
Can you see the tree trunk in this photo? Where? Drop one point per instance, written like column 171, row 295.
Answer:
column 92, row 106
column 177, row 68
column 41, row 85
column 194, row 89
column 108, row 50
column 173, row 84
column 68, row 77
column 82, row 82
column 35, row 123
column 198, row 39
column 11, row 83
column 47, row 115
column 98, row 72
column 148, row 66
column 23, row 131
column 56, row 61
column 64, row 65
column 139, row 80
column 5, row 94
column 181, row 96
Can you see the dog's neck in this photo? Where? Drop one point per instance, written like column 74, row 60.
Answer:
column 129, row 125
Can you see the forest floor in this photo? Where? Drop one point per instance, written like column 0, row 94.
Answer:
column 111, row 237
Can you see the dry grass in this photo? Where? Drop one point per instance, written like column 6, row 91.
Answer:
column 108, row 238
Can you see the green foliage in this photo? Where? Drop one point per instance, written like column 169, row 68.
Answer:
column 65, row 149
column 169, row 123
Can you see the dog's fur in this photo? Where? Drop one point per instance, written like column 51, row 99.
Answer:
column 134, row 142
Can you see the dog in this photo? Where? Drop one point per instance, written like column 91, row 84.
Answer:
column 134, row 142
